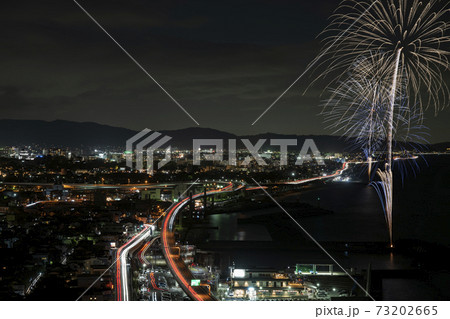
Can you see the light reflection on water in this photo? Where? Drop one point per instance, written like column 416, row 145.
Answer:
column 357, row 217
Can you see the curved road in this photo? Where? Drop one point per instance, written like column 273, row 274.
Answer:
column 121, row 264
column 176, row 265
column 306, row 180
column 143, row 251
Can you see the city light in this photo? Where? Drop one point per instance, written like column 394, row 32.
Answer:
column 239, row 273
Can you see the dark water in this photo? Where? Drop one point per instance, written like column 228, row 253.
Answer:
column 357, row 216
column 421, row 210
column 357, row 213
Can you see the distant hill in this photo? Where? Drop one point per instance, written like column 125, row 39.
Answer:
column 61, row 133
column 89, row 134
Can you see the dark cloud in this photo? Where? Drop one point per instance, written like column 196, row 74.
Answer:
column 224, row 61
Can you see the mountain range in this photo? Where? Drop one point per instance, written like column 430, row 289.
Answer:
column 89, row 134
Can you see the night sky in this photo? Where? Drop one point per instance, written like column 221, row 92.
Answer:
column 224, row 61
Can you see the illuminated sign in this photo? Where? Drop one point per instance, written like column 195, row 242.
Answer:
column 195, row 282
column 304, row 269
column 239, row 273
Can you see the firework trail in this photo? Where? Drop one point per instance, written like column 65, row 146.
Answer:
column 356, row 108
column 406, row 39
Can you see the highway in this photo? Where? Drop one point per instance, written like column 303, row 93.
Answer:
column 178, row 268
column 143, row 250
column 85, row 186
column 122, row 281
column 176, row 265
column 307, row 180
column 117, row 186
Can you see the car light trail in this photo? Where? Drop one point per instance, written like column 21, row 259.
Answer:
column 168, row 241
column 338, row 172
column 33, row 283
column 121, row 265
column 153, row 281
column 123, row 252
column 142, row 252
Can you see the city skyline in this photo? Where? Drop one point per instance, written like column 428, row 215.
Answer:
column 253, row 150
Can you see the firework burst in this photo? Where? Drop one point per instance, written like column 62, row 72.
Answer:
column 406, row 40
column 411, row 34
